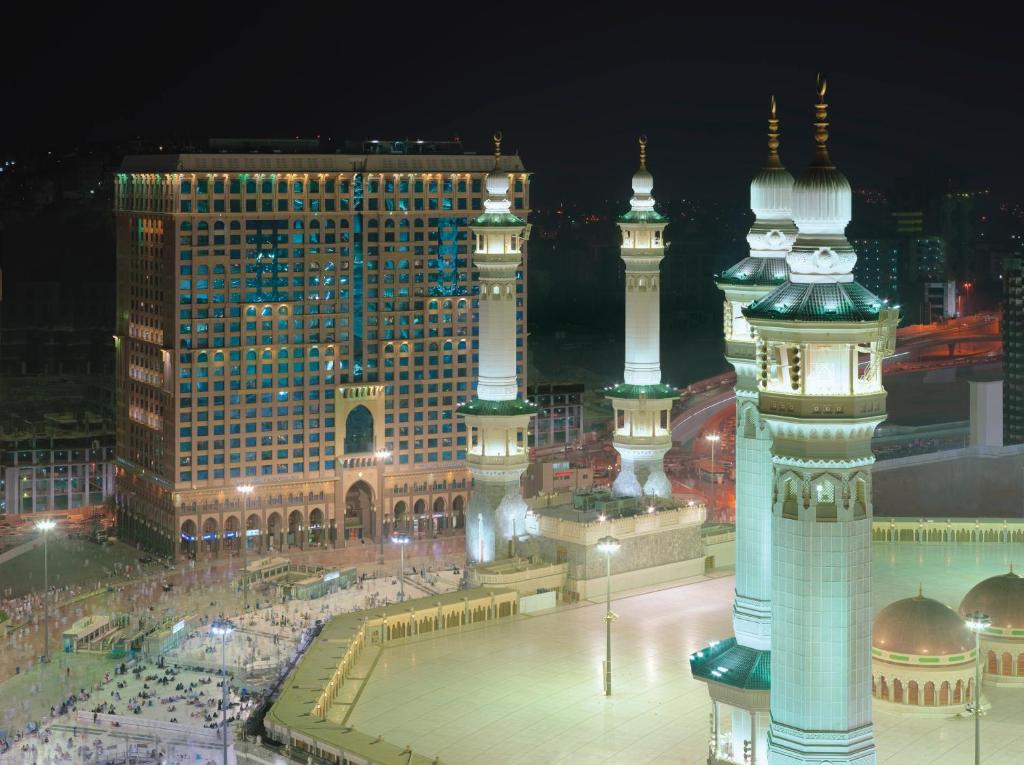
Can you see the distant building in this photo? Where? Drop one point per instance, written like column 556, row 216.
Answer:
column 556, row 477
column 878, row 266
column 1013, row 351
column 939, row 301
column 283, row 318
column 560, row 420
column 56, row 475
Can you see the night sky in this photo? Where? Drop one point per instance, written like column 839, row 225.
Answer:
column 910, row 95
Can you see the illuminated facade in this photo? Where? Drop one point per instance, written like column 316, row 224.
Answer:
column 740, row 695
column 820, row 340
column 282, row 318
column 497, row 419
column 642, row 404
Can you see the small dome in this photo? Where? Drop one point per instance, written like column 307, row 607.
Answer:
column 497, row 183
column 921, row 627
column 822, row 201
column 1001, row 597
column 771, row 194
column 643, row 181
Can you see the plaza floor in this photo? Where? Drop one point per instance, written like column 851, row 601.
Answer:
column 529, row 691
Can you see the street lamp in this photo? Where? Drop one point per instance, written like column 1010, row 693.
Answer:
column 401, row 540
column 609, row 546
column 977, row 622
column 382, row 456
column 223, row 628
column 714, row 438
column 45, row 527
column 245, row 490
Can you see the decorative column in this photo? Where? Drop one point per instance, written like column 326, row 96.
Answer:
column 496, row 418
column 821, row 338
column 642, row 404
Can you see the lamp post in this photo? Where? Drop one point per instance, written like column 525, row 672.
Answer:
column 977, row 622
column 245, row 490
column 382, row 456
column 401, row 540
column 714, row 438
column 223, row 628
column 45, row 527
column 609, row 546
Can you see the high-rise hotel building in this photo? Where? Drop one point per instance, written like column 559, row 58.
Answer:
column 307, row 324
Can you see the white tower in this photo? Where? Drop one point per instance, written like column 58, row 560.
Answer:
column 821, row 338
column 643, row 406
column 740, row 695
column 497, row 419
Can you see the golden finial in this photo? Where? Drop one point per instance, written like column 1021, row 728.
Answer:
column 773, row 136
column 643, row 152
column 821, row 123
column 497, row 147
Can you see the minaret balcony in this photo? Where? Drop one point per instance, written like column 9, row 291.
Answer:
column 842, row 407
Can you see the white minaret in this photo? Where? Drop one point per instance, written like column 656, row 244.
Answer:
column 740, row 698
column 497, row 419
column 643, row 406
column 821, row 338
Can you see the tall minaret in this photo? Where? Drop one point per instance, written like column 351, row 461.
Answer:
column 643, row 406
column 821, row 338
column 770, row 239
column 740, row 700
column 497, row 419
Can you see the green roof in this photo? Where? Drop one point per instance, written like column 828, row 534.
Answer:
column 625, row 390
column 818, row 301
column 744, row 667
column 644, row 216
column 763, row 272
column 497, row 408
column 498, row 220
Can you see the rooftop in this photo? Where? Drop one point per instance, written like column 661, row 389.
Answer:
column 726, row 661
column 818, row 301
column 765, row 272
column 314, row 163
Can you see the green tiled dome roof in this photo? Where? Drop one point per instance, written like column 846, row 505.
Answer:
column 625, row 390
column 497, row 408
column 819, row 301
column 733, row 664
column 765, row 272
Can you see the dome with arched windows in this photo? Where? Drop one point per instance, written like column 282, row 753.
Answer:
column 922, row 655
column 1002, row 644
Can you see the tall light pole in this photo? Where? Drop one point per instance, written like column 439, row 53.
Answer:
column 45, row 527
column 245, row 490
column 977, row 622
column 609, row 546
column 382, row 455
column 714, row 438
column 223, row 628
column 401, row 540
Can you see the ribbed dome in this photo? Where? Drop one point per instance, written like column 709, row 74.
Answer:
column 1001, row 597
column 921, row 627
column 771, row 194
column 497, row 183
column 643, row 181
column 822, row 201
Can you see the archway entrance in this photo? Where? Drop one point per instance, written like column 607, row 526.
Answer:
column 231, row 535
column 359, row 431
column 400, row 517
column 419, row 510
column 316, row 526
column 437, row 519
column 188, row 539
column 295, row 528
column 274, row 533
column 210, row 535
column 358, row 501
column 459, row 513
column 251, row 525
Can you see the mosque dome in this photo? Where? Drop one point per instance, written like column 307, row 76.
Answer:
column 1001, row 597
column 497, row 182
column 771, row 194
column 921, row 626
column 643, row 181
column 822, row 200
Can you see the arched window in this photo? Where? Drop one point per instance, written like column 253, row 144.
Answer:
column 359, row 431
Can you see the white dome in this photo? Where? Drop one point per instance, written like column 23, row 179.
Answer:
column 771, row 194
column 497, row 183
column 643, row 182
column 822, row 201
